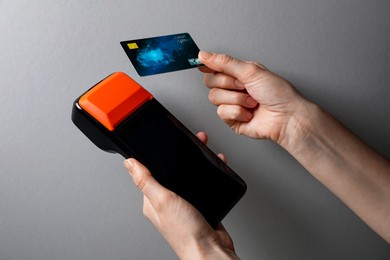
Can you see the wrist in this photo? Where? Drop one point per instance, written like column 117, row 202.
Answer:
column 299, row 126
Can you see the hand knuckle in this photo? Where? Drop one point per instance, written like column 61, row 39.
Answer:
column 252, row 70
column 167, row 197
column 164, row 199
column 238, row 98
column 212, row 96
column 140, row 182
column 225, row 82
column 225, row 59
column 220, row 111
column 236, row 111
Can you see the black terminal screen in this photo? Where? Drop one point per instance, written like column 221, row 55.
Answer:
column 180, row 162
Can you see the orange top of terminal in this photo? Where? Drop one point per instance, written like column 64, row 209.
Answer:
column 113, row 99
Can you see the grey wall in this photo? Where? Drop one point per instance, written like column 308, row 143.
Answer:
column 62, row 198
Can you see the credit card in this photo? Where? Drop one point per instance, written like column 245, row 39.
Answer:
column 162, row 54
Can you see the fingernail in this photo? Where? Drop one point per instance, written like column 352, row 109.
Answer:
column 129, row 164
column 251, row 102
column 249, row 117
column 204, row 55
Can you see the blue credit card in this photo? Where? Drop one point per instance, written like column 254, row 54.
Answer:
column 162, row 54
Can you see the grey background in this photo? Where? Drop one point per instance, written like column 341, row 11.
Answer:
column 62, row 198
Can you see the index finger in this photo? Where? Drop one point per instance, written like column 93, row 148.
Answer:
column 228, row 65
column 206, row 69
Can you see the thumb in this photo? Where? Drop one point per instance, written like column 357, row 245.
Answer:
column 224, row 63
column 143, row 179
